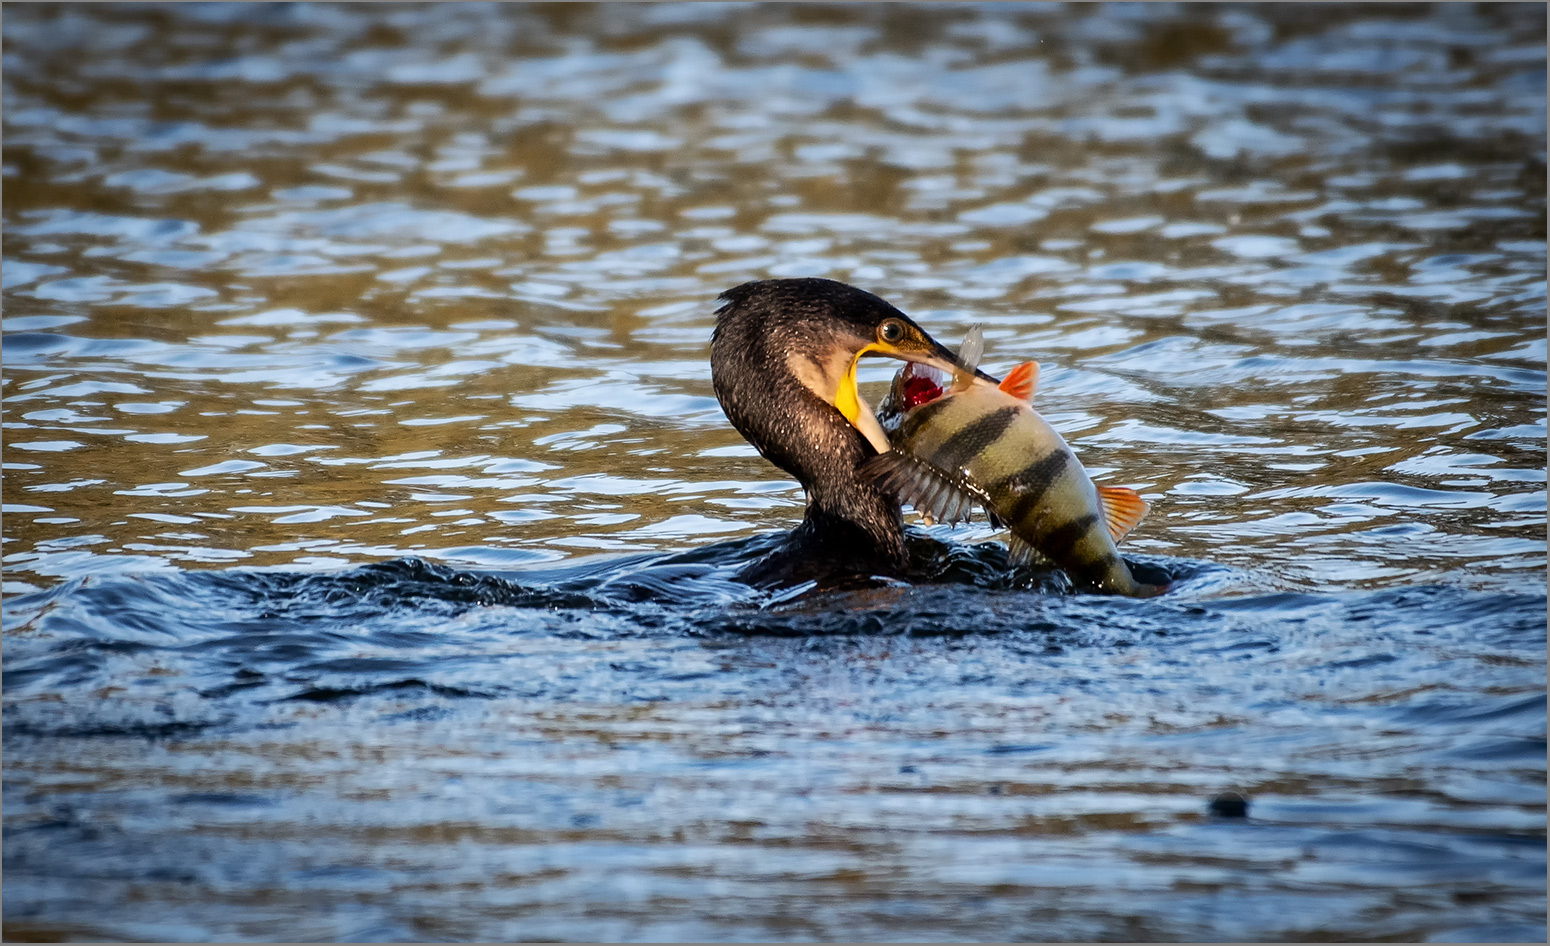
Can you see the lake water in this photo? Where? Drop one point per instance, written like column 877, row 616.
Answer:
column 369, row 519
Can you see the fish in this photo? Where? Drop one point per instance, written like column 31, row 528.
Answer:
column 979, row 443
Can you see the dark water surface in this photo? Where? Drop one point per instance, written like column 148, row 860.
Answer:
column 370, row 521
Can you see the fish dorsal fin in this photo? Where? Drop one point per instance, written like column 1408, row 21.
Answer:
column 914, row 481
column 969, row 353
column 1022, row 381
column 1123, row 510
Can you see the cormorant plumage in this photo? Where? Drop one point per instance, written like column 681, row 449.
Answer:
column 783, row 364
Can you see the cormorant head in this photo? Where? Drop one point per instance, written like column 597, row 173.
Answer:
column 817, row 330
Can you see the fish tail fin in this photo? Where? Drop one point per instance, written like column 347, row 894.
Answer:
column 970, row 350
column 1123, row 510
column 1143, row 590
column 1120, row 580
column 1123, row 581
column 1022, row 381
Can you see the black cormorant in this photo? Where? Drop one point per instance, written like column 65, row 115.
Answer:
column 783, row 363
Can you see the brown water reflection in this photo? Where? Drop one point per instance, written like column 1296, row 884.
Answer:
column 310, row 286
column 322, row 296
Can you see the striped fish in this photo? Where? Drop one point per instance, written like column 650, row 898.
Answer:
column 981, row 444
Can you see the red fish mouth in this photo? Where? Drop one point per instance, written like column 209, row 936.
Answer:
column 920, row 384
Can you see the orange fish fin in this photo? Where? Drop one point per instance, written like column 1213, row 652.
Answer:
column 933, row 494
column 1123, row 510
column 1022, row 381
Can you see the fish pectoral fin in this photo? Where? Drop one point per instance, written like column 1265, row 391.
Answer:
column 1022, row 381
column 1123, row 510
column 932, row 493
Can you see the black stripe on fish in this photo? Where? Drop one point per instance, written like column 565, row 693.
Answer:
column 1059, row 541
column 1091, row 560
column 923, row 414
column 1031, row 483
column 1029, row 486
column 974, row 438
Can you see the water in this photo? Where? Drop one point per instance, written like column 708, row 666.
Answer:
column 370, row 521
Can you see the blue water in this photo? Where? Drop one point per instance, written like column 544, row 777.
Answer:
column 646, row 750
column 370, row 522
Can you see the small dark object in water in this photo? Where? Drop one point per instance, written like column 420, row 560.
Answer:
column 1230, row 805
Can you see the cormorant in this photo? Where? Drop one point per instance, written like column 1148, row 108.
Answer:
column 783, row 364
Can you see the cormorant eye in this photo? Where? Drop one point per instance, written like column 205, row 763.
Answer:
column 891, row 331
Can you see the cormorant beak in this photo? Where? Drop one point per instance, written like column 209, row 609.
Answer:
column 926, row 351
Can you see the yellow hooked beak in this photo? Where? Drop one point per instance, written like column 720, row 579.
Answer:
column 856, row 410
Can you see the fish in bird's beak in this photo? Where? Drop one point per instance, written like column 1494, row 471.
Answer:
column 913, row 385
column 965, row 442
column 898, row 338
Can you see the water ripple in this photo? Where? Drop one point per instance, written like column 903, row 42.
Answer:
column 364, row 473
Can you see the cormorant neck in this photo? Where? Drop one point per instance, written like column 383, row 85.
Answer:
column 850, row 526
